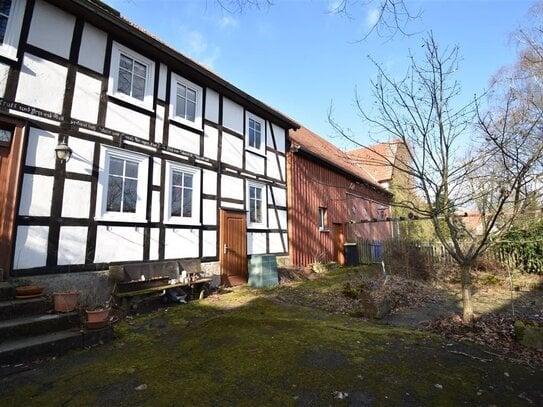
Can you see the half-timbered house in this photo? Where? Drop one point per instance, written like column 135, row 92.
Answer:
column 331, row 201
column 166, row 160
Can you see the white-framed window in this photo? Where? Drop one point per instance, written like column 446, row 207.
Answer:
column 122, row 185
column 182, row 204
column 186, row 101
column 257, row 204
column 11, row 19
column 131, row 76
column 255, row 133
column 323, row 219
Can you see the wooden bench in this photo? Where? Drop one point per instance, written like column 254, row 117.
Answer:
column 142, row 281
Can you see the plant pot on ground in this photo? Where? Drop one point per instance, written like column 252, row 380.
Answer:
column 28, row 291
column 65, row 301
column 97, row 317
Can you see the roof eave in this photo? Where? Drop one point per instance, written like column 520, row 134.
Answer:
column 106, row 14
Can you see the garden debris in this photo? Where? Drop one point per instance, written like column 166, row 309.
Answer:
column 495, row 331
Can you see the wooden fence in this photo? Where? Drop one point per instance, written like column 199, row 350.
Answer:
column 408, row 255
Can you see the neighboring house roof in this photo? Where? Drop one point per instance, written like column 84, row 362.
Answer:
column 99, row 10
column 377, row 159
column 310, row 143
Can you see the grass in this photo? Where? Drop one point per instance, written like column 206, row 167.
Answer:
column 246, row 350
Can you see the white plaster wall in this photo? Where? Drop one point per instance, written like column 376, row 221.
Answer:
column 184, row 140
column 273, row 169
column 212, row 105
column 231, row 187
column 118, row 243
column 211, row 142
column 232, row 115
column 155, row 206
column 154, row 244
column 4, row 70
column 210, row 182
column 275, row 243
column 127, row 121
column 30, row 247
column 181, row 243
column 231, row 205
column 41, row 84
column 41, row 148
column 273, row 219
column 254, row 163
column 93, row 48
column 72, row 244
column 279, row 133
column 209, row 239
column 82, row 156
column 36, row 195
column 209, row 212
column 51, row 29
column 157, row 163
column 163, row 77
column 232, row 150
column 86, row 98
column 280, row 196
column 76, row 200
column 159, row 124
column 256, row 243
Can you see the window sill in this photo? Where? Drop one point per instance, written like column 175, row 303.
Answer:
column 256, row 226
column 324, row 230
column 132, row 101
column 197, row 124
column 120, row 219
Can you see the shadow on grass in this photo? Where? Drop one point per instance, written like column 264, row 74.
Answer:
column 243, row 349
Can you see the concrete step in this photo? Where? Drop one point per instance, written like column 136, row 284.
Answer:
column 11, row 329
column 23, row 307
column 7, row 291
column 55, row 343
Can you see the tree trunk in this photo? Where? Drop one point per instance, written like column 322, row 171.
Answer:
column 467, row 306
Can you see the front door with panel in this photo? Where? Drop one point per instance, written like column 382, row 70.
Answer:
column 233, row 247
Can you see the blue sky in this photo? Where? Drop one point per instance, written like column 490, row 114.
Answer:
column 299, row 58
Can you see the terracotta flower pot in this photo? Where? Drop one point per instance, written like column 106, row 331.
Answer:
column 28, row 291
column 97, row 318
column 65, row 301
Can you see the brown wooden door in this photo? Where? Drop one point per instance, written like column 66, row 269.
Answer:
column 10, row 174
column 233, row 247
column 339, row 241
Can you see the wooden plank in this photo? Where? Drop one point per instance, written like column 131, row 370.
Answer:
column 160, row 288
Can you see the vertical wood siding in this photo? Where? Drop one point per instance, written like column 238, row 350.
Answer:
column 312, row 185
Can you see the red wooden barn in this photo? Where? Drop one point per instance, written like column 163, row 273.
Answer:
column 328, row 197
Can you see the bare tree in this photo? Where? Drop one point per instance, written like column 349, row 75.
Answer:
column 449, row 172
column 390, row 16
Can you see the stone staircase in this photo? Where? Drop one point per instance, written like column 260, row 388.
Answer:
column 30, row 329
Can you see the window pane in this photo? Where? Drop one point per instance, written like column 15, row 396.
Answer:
column 5, row 135
column 138, row 89
column 187, row 203
column 130, row 195
column 177, row 178
column 258, row 211
column 125, row 63
column 258, row 193
column 252, row 211
column 176, row 201
column 116, row 166
column 191, row 95
column 3, row 25
column 124, row 82
column 140, row 69
column 251, row 137
column 180, row 107
column 188, row 180
column 131, row 169
column 114, row 192
column 191, row 111
column 181, row 90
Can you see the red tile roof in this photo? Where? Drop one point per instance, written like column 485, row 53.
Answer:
column 377, row 159
column 315, row 145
